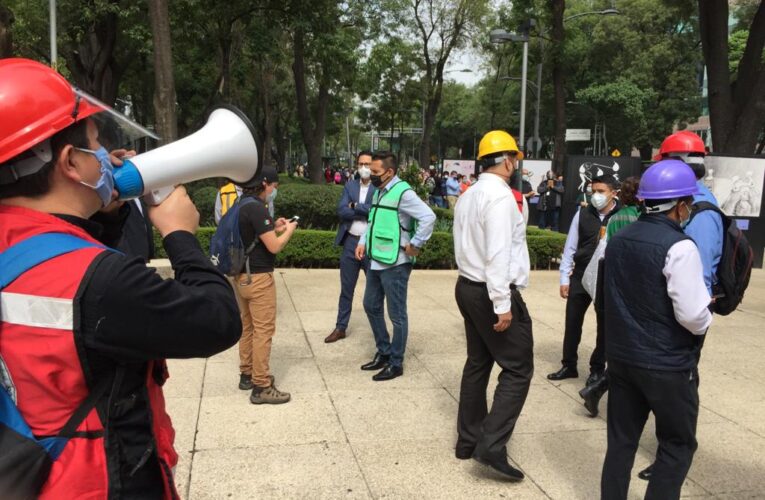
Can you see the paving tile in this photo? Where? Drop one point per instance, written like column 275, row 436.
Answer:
column 186, row 377
column 391, row 415
column 184, row 413
column 568, row 465
column 182, row 472
column 293, row 375
column 428, row 469
column 729, row 458
column 232, row 421
column 310, row 471
column 345, row 375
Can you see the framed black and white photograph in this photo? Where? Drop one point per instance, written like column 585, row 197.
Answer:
column 737, row 183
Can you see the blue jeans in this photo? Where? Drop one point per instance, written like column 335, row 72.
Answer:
column 349, row 275
column 549, row 218
column 388, row 285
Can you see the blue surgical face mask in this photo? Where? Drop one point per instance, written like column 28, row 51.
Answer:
column 684, row 223
column 105, row 185
column 272, row 196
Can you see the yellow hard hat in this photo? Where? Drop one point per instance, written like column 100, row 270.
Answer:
column 497, row 141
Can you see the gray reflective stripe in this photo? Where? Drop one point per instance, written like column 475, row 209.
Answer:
column 41, row 312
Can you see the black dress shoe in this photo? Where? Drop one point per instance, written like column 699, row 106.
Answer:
column 463, row 451
column 500, row 465
column 645, row 474
column 388, row 373
column 564, row 373
column 594, row 377
column 379, row 362
column 592, row 394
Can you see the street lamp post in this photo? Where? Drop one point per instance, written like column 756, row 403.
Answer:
column 53, row 35
column 502, row 36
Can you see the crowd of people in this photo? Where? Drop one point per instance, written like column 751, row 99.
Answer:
column 108, row 322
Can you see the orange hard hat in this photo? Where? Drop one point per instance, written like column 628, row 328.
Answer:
column 35, row 103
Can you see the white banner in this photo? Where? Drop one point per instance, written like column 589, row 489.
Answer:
column 464, row 167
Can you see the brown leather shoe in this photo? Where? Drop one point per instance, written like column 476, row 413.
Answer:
column 335, row 336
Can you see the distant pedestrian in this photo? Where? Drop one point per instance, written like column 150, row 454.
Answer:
column 550, row 191
column 452, row 189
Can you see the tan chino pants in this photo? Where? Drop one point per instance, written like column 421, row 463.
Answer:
column 257, row 307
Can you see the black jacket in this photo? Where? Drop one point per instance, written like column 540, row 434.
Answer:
column 126, row 314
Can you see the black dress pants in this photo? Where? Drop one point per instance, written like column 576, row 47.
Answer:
column 576, row 307
column 513, row 350
column 673, row 397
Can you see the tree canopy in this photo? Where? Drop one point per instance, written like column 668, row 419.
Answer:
column 302, row 69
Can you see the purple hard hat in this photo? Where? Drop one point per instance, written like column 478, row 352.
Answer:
column 667, row 180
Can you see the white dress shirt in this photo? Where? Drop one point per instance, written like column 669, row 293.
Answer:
column 359, row 226
column 685, row 285
column 572, row 242
column 490, row 239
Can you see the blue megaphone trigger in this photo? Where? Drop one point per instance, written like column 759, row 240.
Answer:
column 128, row 181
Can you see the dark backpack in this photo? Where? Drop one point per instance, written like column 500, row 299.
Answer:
column 227, row 251
column 26, row 459
column 735, row 266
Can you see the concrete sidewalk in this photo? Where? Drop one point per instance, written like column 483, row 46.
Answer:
column 345, row 436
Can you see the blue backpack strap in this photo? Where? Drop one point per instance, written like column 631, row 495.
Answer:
column 26, row 254
column 14, row 262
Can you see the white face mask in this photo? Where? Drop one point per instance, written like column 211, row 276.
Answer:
column 365, row 172
column 600, row 201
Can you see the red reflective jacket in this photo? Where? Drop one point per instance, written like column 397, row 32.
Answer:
column 39, row 345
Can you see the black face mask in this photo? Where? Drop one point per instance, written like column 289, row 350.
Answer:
column 377, row 180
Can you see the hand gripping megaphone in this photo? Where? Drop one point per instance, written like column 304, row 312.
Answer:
column 224, row 147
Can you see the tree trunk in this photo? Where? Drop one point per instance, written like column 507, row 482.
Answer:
column 312, row 136
column 736, row 109
column 559, row 84
column 427, row 131
column 6, row 32
column 92, row 63
column 164, row 91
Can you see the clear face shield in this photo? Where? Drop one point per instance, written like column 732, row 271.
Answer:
column 115, row 130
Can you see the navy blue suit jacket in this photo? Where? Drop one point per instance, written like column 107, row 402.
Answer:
column 351, row 193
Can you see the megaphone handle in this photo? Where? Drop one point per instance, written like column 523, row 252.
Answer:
column 158, row 195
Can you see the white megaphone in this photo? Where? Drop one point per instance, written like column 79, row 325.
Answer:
column 224, row 147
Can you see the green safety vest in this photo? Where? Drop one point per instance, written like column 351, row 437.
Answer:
column 384, row 233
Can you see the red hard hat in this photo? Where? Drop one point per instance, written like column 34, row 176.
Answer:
column 683, row 141
column 35, row 103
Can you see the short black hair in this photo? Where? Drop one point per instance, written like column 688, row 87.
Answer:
column 607, row 179
column 38, row 184
column 363, row 153
column 388, row 159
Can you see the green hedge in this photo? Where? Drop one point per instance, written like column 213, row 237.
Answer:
column 316, row 248
column 316, row 204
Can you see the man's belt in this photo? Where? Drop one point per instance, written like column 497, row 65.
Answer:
column 466, row 281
